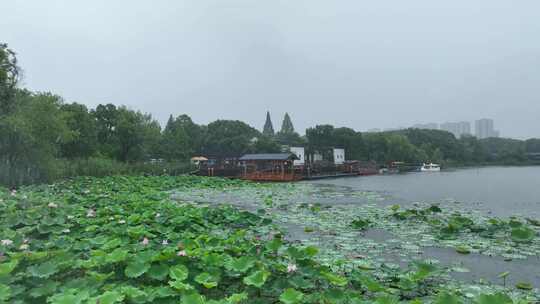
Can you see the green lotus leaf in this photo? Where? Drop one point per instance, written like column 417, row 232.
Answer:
column 237, row 298
column 118, row 255
column 257, row 278
column 110, row 297
column 241, row 264
column 274, row 244
column 7, row 268
column 158, row 272
column 179, row 272
column 334, row 279
column 207, row 280
column 179, row 285
column 524, row 286
column 291, row 296
column 387, row 299
column 44, row 290
column 193, row 298
column 44, row 270
column 463, row 249
column 114, row 243
column 447, row 298
column 497, row 298
column 371, row 284
column 134, row 293
column 522, row 234
column 68, row 297
column 334, row 296
column 5, row 292
column 136, row 269
column 163, row 291
column 361, row 224
column 65, row 299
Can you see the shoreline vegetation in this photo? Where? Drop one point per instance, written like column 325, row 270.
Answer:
column 43, row 138
column 163, row 239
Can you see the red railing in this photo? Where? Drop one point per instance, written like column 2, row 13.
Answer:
column 271, row 176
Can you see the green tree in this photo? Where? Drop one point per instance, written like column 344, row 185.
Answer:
column 83, row 128
column 9, row 76
column 400, row 149
column 473, row 150
column 138, row 136
column 30, row 138
column 228, row 138
column 532, row 145
column 181, row 138
column 106, row 117
column 264, row 144
column 320, row 139
column 351, row 141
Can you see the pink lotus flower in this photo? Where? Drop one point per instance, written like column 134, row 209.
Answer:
column 6, row 242
column 291, row 268
column 182, row 253
column 145, row 241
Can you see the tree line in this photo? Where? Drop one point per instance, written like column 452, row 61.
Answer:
column 43, row 137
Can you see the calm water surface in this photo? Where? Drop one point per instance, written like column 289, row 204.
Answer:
column 499, row 191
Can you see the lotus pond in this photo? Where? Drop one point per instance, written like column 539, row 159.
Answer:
column 198, row 240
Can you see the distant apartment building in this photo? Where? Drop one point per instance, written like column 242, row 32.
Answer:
column 427, row 126
column 457, row 128
column 484, row 128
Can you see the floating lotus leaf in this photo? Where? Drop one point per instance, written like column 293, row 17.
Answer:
column 178, row 272
column 522, row 235
column 257, row 279
column 291, row 296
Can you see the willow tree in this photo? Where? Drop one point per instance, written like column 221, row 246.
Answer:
column 9, row 76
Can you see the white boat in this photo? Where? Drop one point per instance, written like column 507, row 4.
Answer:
column 431, row 167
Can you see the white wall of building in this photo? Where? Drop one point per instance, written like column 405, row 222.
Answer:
column 301, row 154
column 339, row 156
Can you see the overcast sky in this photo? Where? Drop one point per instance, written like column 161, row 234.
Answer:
column 362, row 64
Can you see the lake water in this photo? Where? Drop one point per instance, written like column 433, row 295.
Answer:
column 498, row 191
column 494, row 191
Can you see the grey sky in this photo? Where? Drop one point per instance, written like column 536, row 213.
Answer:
column 362, row 64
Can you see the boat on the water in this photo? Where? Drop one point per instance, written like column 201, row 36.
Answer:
column 431, row 167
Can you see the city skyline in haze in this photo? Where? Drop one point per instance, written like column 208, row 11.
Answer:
column 346, row 63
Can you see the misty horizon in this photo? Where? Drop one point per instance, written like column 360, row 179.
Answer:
column 359, row 65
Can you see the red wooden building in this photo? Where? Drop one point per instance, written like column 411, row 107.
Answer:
column 269, row 167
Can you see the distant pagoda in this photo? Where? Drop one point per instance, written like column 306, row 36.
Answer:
column 287, row 125
column 268, row 129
